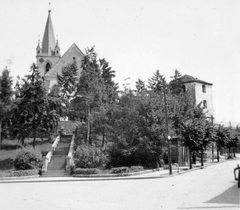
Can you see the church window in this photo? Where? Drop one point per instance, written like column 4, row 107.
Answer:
column 204, row 88
column 204, row 104
column 48, row 67
column 184, row 88
column 57, row 51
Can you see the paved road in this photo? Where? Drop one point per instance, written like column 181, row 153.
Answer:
column 209, row 188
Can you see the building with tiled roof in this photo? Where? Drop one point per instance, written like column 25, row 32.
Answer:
column 49, row 59
column 201, row 92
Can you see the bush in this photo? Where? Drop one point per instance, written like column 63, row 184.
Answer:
column 136, row 168
column 89, row 157
column 28, row 158
column 86, row 171
column 25, row 173
column 120, row 170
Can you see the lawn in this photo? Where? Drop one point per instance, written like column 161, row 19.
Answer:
column 10, row 148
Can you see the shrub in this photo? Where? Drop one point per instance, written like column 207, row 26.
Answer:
column 120, row 170
column 89, row 157
column 25, row 172
column 136, row 168
column 28, row 158
column 86, row 171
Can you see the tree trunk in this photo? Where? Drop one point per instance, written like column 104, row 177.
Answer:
column 202, row 155
column 0, row 135
column 34, row 131
column 88, row 124
column 190, row 159
column 218, row 158
column 212, row 153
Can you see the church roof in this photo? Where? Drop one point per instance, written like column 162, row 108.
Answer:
column 73, row 53
column 189, row 79
column 48, row 42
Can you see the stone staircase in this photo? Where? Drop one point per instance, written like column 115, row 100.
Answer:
column 57, row 165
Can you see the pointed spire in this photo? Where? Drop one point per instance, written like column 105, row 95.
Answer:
column 48, row 43
column 38, row 46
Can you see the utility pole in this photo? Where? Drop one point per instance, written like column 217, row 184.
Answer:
column 166, row 125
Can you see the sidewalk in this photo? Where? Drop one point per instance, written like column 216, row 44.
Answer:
column 151, row 174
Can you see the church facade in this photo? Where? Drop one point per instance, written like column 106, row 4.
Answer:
column 48, row 55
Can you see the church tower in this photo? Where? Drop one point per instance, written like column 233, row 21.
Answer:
column 49, row 53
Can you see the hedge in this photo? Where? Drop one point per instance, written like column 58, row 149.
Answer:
column 86, row 171
column 24, row 172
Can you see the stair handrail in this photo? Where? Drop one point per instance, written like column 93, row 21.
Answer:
column 48, row 157
column 69, row 158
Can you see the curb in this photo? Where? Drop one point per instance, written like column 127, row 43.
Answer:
column 114, row 175
column 19, row 177
column 103, row 177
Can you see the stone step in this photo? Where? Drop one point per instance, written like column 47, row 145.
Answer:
column 57, row 165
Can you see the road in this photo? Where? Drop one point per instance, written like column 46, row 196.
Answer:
column 210, row 188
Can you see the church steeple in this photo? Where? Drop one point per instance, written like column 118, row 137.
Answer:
column 49, row 42
column 49, row 53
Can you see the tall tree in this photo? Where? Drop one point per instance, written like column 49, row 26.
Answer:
column 191, row 127
column 5, row 97
column 33, row 113
column 222, row 138
column 91, row 86
column 67, row 80
column 155, row 83
column 176, row 85
column 108, row 75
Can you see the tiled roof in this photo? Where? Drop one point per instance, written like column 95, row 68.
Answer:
column 188, row 79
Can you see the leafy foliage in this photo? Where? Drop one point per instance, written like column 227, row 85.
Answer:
column 33, row 113
column 87, row 156
column 6, row 93
column 67, row 80
column 28, row 158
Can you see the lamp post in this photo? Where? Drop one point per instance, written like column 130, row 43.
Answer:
column 169, row 156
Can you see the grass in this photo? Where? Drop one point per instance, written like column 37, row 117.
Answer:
column 10, row 149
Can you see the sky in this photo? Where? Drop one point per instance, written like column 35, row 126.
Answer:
column 200, row 38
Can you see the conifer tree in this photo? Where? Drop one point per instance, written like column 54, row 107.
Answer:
column 5, row 98
column 33, row 112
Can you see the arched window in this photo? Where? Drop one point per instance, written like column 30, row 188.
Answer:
column 48, row 67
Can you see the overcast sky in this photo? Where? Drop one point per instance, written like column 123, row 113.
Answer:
column 200, row 38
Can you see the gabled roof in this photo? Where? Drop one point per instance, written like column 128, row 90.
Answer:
column 189, row 79
column 73, row 53
column 48, row 42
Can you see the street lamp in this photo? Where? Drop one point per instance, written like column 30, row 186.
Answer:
column 169, row 156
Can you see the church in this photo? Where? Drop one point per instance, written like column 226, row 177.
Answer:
column 48, row 55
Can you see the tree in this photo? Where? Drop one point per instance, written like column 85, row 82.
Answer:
column 140, row 86
column 5, row 98
column 192, row 128
column 176, row 85
column 91, row 87
column 137, row 129
column 107, row 75
column 34, row 113
column 155, row 83
column 222, row 138
column 67, row 80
